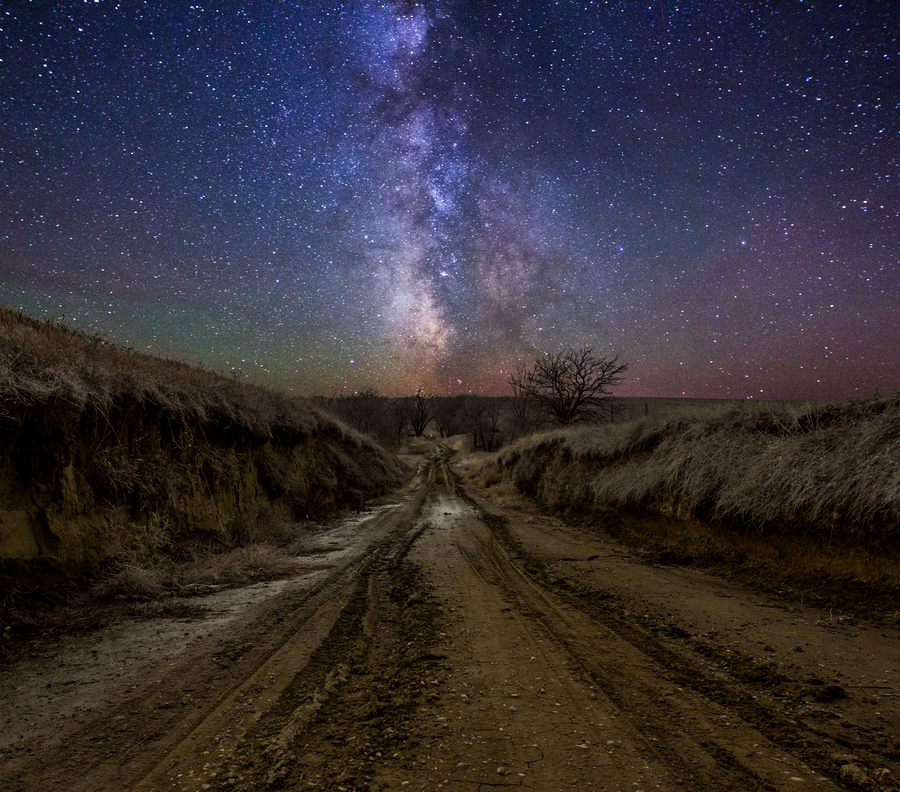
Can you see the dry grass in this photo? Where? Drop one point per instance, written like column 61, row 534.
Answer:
column 829, row 471
column 70, row 373
column 810, row 489
column 154, row 561
column 44, row 362
column 91, row 433
column 160, row 577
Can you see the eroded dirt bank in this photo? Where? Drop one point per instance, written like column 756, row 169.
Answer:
column 107, row 455
column 444, row 642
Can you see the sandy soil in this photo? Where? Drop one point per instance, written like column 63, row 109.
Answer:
column 444, row 642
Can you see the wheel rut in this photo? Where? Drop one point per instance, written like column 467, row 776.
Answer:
column 264, row 715
column 440, row 654
column 696, row 740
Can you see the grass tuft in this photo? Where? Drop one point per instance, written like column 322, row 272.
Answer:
column 155, row 562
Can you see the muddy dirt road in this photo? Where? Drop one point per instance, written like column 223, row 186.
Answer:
column 445, row 643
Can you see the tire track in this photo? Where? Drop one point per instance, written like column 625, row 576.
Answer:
column 134, row 742
column 249, row 739
column 261, row 718
column 438, row 655
column 685, row 731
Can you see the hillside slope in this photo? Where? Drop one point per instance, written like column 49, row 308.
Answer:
column 99, row 446
column 806, row 496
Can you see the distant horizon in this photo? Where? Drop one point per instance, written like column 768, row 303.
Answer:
column 311, row 392
column 613, row 396
column 332, row 196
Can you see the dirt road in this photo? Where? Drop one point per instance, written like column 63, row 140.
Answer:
column 445, row 643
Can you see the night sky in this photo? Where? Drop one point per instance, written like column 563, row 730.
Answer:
column 327, row 196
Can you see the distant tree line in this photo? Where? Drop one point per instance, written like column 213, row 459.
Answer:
column 390, row 421
column 559, row 389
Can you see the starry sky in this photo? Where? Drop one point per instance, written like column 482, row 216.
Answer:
column 326, row 196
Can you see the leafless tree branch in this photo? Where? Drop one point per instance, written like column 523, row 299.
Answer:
column 569, row 386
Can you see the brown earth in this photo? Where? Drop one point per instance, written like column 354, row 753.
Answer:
column 446, row 642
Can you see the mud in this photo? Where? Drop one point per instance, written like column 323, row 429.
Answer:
column 444, row 642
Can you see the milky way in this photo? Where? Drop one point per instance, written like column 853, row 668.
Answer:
column 331, row 196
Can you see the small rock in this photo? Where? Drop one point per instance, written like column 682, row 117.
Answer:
column 854, row 774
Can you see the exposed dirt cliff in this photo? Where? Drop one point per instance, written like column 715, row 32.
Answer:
column 98, row 443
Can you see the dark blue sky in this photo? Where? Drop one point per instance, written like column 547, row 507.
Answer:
column 327, row 196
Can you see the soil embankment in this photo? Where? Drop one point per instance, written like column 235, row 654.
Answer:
column 798, row 497
column 447, row 641
column 103, row 450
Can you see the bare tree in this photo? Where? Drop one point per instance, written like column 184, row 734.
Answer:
column 325, row 402
column 570, row 386
column 396, row 420
column 419, row 411
column 525, row 413
column 364, row 410
column 448, row 415
column 481, row 419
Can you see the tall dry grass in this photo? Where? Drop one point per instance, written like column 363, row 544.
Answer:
column 828, row 471
column 42, row 362
column 153, row 561
column 70, row 372
column 803, row 498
